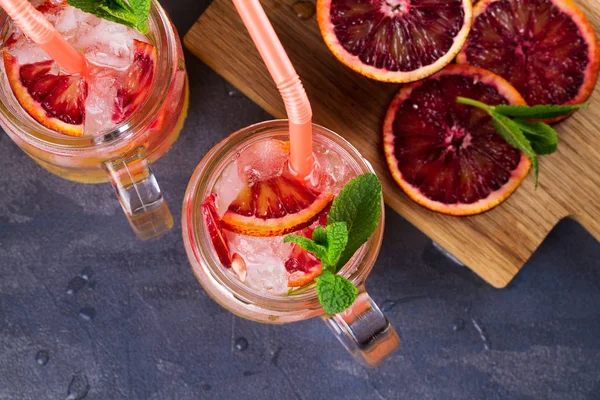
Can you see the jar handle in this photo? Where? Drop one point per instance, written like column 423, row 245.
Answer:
column 139, row 194
column 364, row 331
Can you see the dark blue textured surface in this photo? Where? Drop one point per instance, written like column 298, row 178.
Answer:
column 155, row 334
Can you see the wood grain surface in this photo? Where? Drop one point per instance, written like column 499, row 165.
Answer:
column 496, row 244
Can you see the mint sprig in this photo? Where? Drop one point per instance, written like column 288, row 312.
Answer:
column 354, row 216
column 133, row 14
column 514, row 123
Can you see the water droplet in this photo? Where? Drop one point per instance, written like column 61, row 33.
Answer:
column 75, row 285
column 387, row 305
column 206, row 387
column 304, row 9
column 458, row 324
column 482, row 333
column 78, row 388
column 86, row 273
column 42, row 357
column 87, row 313
column 241, row 344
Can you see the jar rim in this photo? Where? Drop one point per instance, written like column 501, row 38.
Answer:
column 164, row 38
column 205, row 262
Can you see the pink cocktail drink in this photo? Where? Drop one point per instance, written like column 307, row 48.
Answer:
column 108, row 125
column 268, row 264
column 241, row 202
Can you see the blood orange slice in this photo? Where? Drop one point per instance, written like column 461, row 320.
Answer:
column 213, row 226
column 446, row 156
column 395, row 40
column 546, row 48
column 138, row 81
column 274, row 207
column 55, row 101
column 302, row 267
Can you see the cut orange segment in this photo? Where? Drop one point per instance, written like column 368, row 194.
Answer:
column 447, row 156
column 395, row 40
column 547, row 49
column 55, row 101
column 274, row 207
column 138, row 81
column 302, row 266
column 213, row 226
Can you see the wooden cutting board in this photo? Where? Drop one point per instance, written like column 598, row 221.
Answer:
column 496, row 244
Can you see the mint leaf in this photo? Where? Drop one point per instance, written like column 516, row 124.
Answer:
column 117, row 14
column 335, row 292
column 543, row 138
column 512, row 133
column 141, row 9
column 118, row 11
column 337, row 239
column 537, row 112
column 359, row 206
column 119, row 3
column 88, row 6
column 319, row 235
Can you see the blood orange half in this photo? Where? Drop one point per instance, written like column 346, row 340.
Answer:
column 274, row 207
column 446, row 156
column 395, row 40
column 547, row 49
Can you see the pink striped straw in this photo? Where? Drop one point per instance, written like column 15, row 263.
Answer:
column 294, row 96
column 38, row 29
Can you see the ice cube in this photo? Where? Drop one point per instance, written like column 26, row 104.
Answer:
column 263, row 160
column 331, row 172
column 254, row 249
column 267, row 276
column 28, row 52
column 100, row 103
column 66, row 22
column 109, row 44
column 228, row 187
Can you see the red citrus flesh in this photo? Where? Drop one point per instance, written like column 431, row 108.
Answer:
column 395, row 40
column 213, row 226
column 55, row 101
column 138, row 81
column 447, row 156
column 547, row 49
column 274, row 207
column 302, row 266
